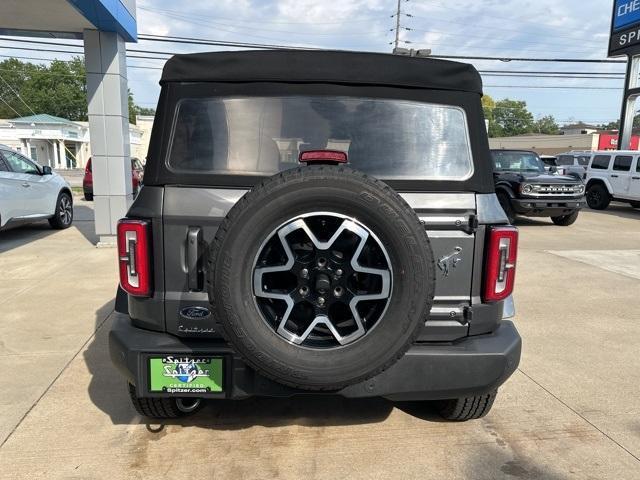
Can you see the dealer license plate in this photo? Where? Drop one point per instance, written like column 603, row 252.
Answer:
column 184, row 374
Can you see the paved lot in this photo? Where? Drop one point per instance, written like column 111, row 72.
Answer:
column 571, row 411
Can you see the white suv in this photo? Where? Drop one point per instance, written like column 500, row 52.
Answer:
column 573, row 163
column 613, row 176
column 30, row 192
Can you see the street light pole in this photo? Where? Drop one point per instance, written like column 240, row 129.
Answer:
column 397, row 40
column 631, row 93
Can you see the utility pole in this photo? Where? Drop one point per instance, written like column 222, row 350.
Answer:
column 398, row 13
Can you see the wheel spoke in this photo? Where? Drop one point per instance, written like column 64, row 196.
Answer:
column 319, row 275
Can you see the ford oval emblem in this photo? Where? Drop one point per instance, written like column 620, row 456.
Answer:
column 195, row 313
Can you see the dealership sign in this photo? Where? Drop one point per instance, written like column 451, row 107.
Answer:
column 625, row 28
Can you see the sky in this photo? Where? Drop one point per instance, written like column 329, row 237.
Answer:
column 522, row 28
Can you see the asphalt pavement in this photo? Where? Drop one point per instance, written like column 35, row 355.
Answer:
column 571, row 411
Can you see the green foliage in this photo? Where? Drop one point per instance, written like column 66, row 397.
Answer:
column 58, row 89
column 616, row 125
column 547, row 125
column 510, row 117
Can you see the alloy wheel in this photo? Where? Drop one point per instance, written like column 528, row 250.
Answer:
column 322, row 280
column 65, row 210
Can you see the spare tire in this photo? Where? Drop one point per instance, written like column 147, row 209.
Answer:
column 321, row 277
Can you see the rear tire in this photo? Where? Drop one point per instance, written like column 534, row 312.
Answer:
column 295, row 353
column 566, row 220
column 63, row 215
column 163, row 407
column 598, row 197
column 466, row 408
column 505, row 203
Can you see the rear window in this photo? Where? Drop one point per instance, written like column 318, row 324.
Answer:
column 391, row 139
column 601, row 162
column 622, row 163
column 564, row 160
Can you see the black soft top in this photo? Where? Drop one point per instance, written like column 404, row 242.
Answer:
column 317, row 66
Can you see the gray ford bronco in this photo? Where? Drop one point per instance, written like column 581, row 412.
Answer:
column 318, row 222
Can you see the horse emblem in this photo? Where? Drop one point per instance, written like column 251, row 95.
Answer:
column 450, row 261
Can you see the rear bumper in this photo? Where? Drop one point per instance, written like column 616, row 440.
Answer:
column 548, row 207
column 472, row 366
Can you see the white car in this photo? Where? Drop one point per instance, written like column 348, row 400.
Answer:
column 613, row 176
column 573, row 163
column 30, row 192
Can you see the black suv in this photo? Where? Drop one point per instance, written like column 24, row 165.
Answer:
column 525, row 188
column 316, row 222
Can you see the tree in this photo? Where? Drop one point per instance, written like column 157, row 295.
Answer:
column 616, row 125
column 145, row 111
column 488, row 105
column 59, row 89
column 547, row 125
column 510, row 117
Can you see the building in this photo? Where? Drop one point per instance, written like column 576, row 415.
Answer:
column 580, row 128
column 144, row 124
column 555, row 144
column 57, row 142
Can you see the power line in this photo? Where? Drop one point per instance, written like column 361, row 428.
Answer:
column 170, row 39
column 505, row 74
column 554, row 87
column 174, row 12
column 518, row 59
column 501, row 28
column 468, row 35
column 13, row 109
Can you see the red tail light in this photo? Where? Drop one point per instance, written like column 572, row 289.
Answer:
column 88, row 167
column 333, row 157
column 134, row 257
column 500, row 263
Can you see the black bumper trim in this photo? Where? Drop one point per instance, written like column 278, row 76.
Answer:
column 472, row 366
column 547, row 207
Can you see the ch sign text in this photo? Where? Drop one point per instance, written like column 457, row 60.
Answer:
column 625, row 28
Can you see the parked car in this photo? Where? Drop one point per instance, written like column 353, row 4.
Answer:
column 30, row 192
column 524, row 188
column 613, row 176
column 549, row 163
column 573, row 163
column 330, row 231
column 137, row 173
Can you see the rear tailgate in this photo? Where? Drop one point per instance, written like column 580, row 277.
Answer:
column 191, row 217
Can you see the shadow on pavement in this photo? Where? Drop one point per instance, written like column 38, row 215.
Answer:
column 22, row 235
column 621, row 210
column 108, row 391
column 83, row 221
column 533, row 222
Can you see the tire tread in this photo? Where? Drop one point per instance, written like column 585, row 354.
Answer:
column 253, row 197
column 466, row 408
column 154, row 407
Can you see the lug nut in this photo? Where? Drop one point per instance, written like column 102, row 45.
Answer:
column 337, row 292
column 322, row 262
column 339, row 272
column 304, row 273
column 321, row 300
column 303, row 291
